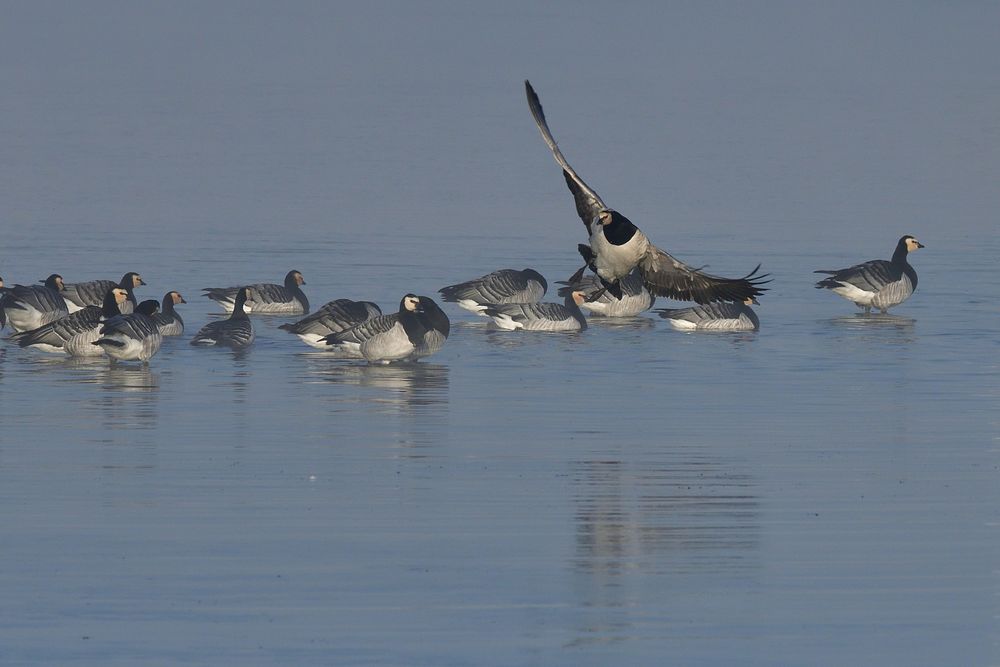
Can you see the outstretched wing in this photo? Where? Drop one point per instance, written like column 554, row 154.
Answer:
column 667, row 276
column 588, row 202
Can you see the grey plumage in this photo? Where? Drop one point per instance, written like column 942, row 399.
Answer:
column 168, row 320
column 132, row 336
column 712, row 317
column 635, row 297
column 877, row 283
column 417, row 330
column 502, row 286
column 236, row 331
column 28, row 307
column 266, row 298
column 539, row 316
column 91, row 293
column 617, row 247
column 74, row 333
column 332, row 317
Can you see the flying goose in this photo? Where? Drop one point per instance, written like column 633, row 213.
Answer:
column 332, row 317
column 236, row 331
column 417, row 330
column 74, row 333
column 133, row 336
column 617, row 246
column 635, row 297
column 28, row 307
column 713, row 317
column 168, row 319
column 877, row 283
column 503, row 286
column 92, row 293
column 540, row 316
column 266, row 298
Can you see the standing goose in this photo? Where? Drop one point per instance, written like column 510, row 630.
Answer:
column 635, row 297
column 401, row 336
column 540, row 316
column 133, row 336
column 503, row 286
column 878, row 283
column 331, row 317
column 617, row 246
column 168, row 319
column 236, row 331
column 713, row 317
column 80, row 295
column 74, row 333
column 28, row 307
column 266, row 298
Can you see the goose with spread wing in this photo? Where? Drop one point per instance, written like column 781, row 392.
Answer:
column 617, row 246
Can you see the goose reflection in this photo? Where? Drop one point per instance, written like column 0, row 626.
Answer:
column 410, row 385
column 875, row 326
column 693, row 516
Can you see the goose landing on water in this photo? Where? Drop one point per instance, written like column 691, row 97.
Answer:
column 617, row 246
column 878, row 283
column 266, row 298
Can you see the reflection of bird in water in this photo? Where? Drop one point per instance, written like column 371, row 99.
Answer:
column 410, row 384
column 875, row 327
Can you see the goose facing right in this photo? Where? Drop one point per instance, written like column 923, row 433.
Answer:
column 332, row 317
column 91, row 293
column 635, row 297
column 133, row 336
column 502, row 286
column 540, row 316
column 417, row 330
column 713, row 317
column 877, row 283
column 266, row 298
column 74, row 333
column 168, row 319
column 236, row 331
column 28, row 307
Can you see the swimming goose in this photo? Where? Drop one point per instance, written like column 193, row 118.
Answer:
column 236, row 331
column 878, row 283
column 133, row 336
column 617, row 246
column 635, row 297
column 503, row 286
column 266, row 298
column 168, row 319
column 28, row 307
column 79, row 295
column 713, row 317
column 415, row 331
column 540, row 316
column 74, row 333
column 332, row 317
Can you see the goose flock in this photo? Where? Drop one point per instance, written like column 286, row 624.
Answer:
column 103, row 318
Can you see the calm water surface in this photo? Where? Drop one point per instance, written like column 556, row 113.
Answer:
column 821, row 492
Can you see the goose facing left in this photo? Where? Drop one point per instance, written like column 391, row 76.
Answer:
column 28, row 307
column 133, row 336
column 236, row 331
column 266, row 298
column 617, row 246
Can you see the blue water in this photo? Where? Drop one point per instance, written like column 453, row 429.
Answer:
column 821, row 492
